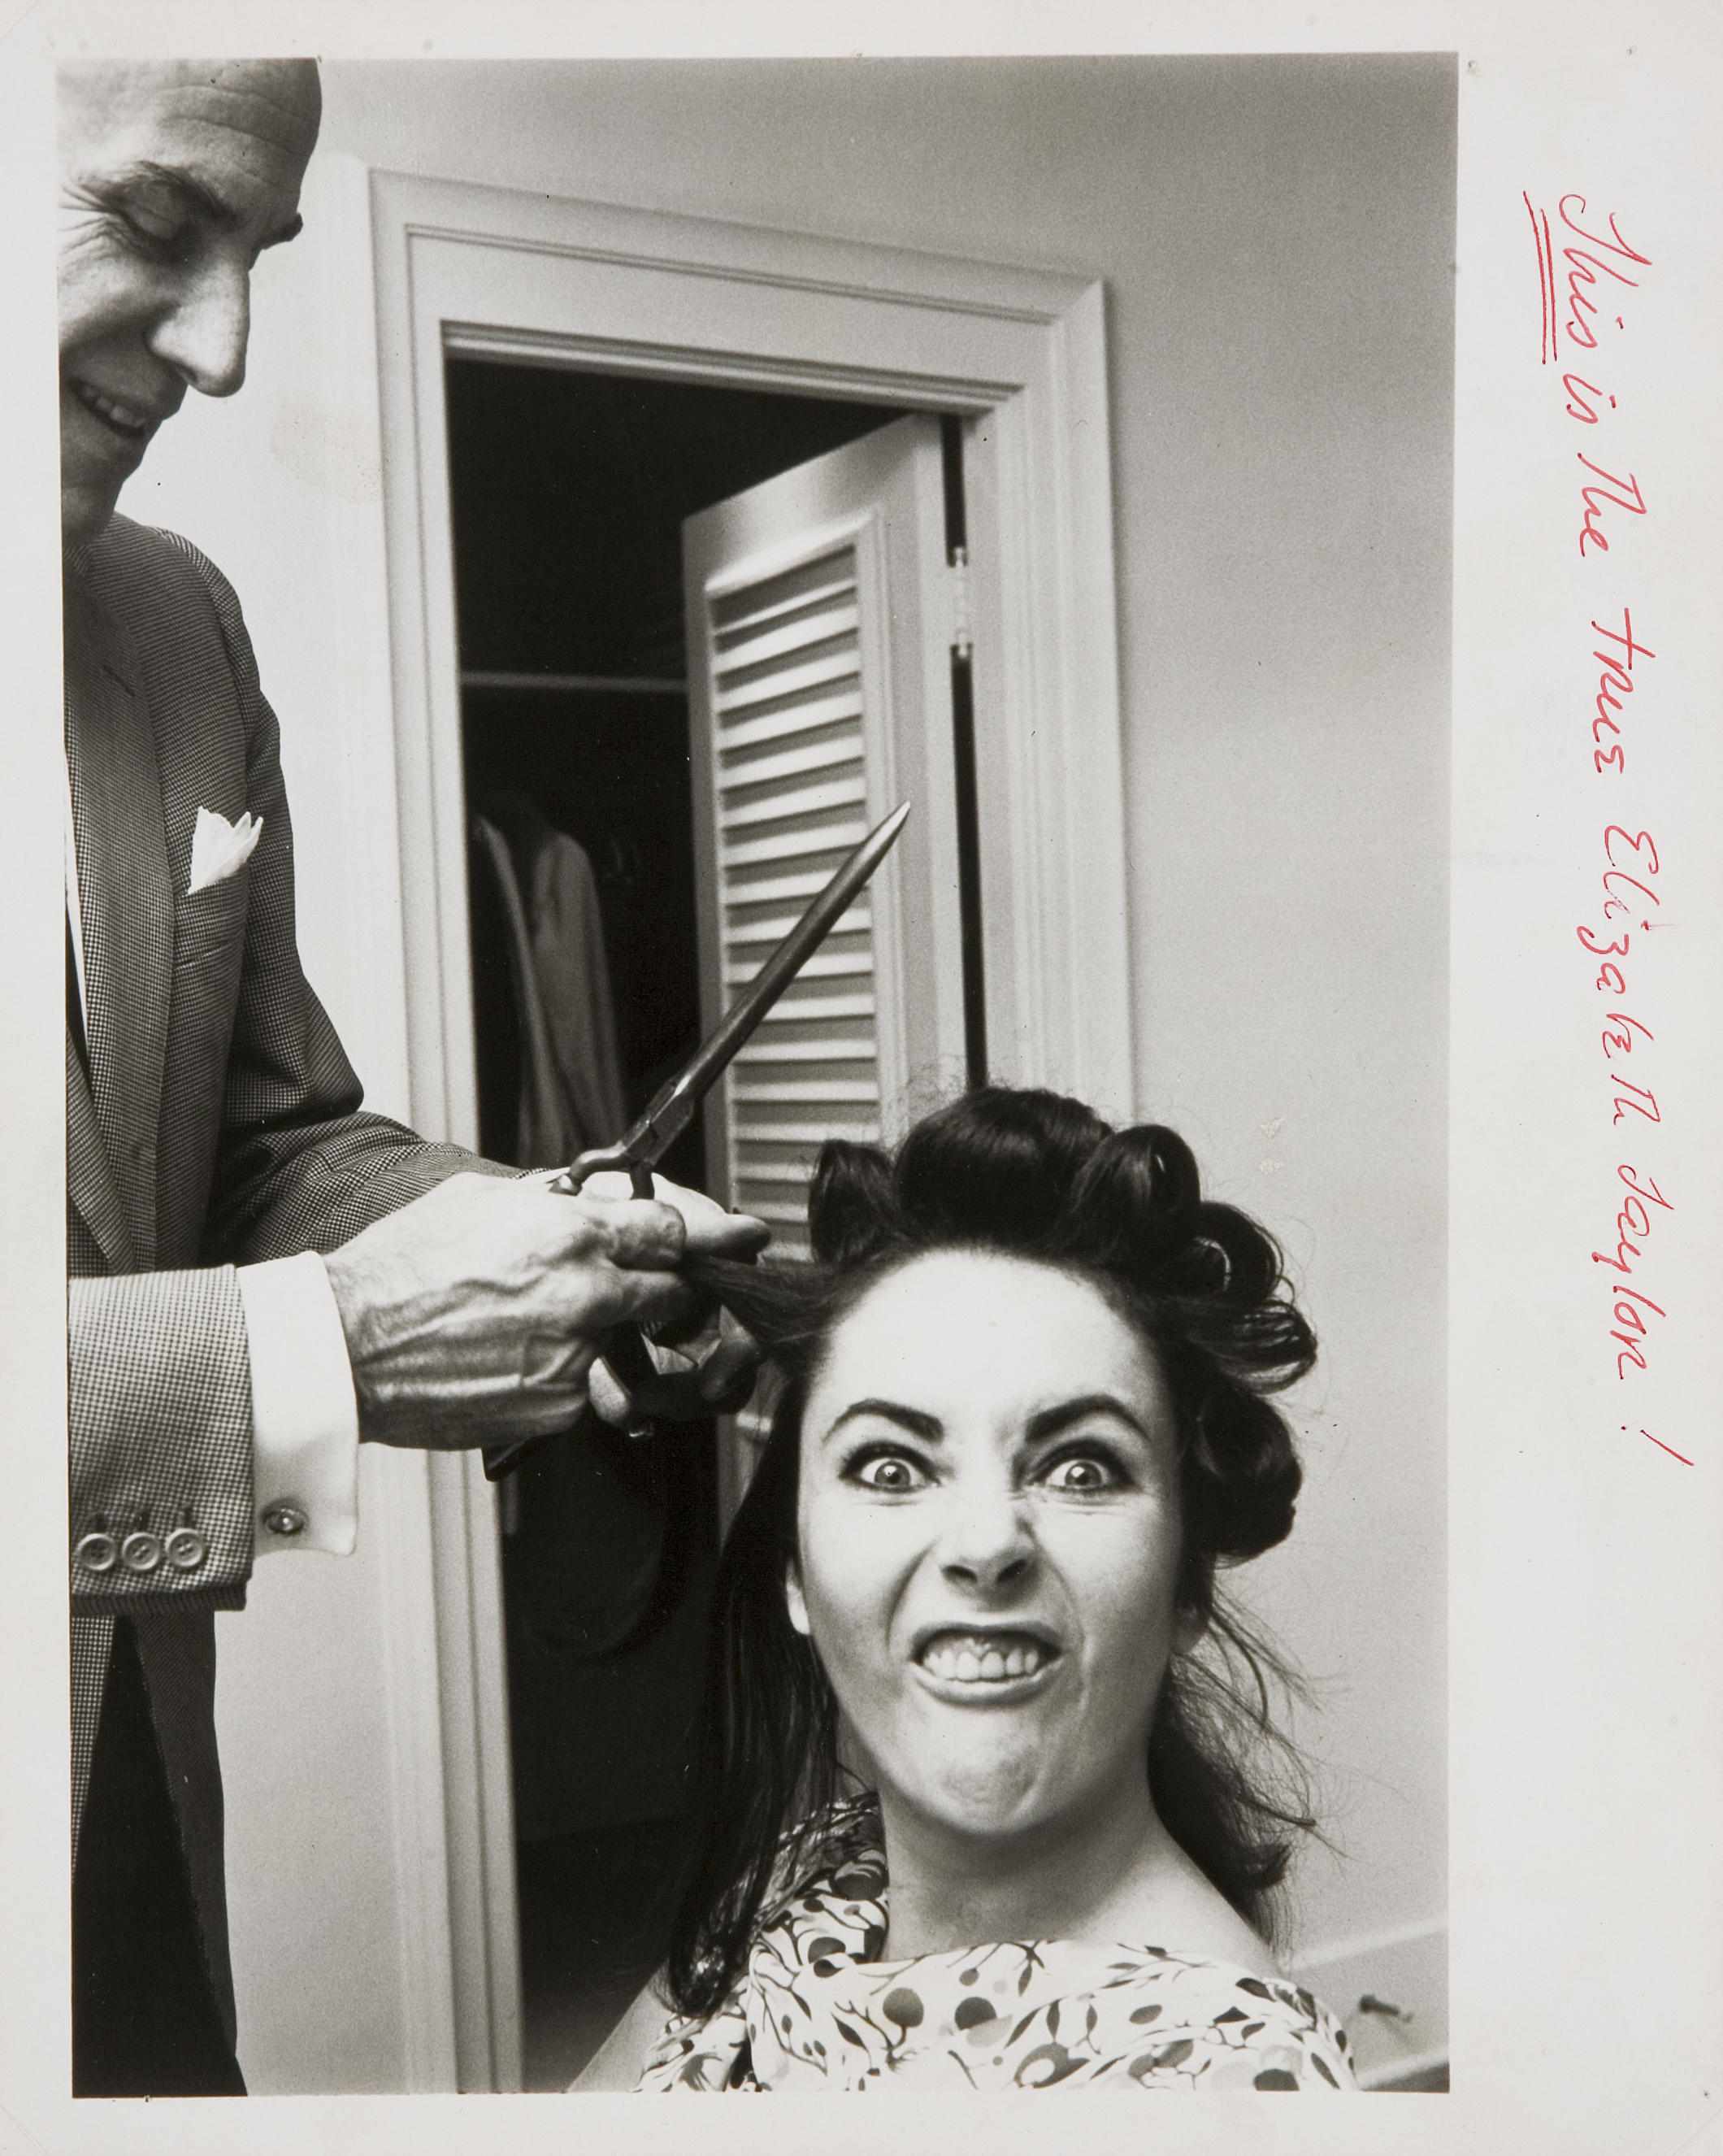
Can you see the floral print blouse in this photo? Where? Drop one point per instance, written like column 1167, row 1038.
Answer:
column 817, row 2008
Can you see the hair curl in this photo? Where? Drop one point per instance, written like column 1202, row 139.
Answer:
column 1032, row 1175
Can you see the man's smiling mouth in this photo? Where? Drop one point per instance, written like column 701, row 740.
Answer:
column 126, row 420
column 984, row 1658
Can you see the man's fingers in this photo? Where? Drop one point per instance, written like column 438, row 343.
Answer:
column 640, row 1235
column 682, row 1390
column 715, row 1234
column 655, row 1301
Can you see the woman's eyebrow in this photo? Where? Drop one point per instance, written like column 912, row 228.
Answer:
column 913, row 1420
column 1050, row 1421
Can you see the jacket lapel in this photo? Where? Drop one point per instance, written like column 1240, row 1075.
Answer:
column 125, row 906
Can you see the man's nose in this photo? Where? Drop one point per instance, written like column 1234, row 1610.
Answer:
column 203, row 335
column 987, row 1542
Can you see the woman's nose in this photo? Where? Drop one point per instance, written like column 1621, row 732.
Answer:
column 986, row 1542
column 203, row 335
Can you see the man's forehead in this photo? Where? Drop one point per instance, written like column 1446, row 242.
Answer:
column 229, row 105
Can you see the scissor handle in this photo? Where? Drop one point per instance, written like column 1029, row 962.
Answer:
column 600, row 1160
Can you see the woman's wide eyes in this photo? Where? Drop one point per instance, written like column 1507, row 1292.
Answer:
column 1088, row 1473
column 888, row 1472
column 1081, row 1474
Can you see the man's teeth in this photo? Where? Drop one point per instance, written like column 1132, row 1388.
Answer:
column 116, row 415
column 981, row 1661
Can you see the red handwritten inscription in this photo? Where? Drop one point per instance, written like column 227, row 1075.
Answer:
column 1586, row 265
column 1593, row 269
column 1615, row 682
column 1587, row 272
column 1621, row 1028
column 1633, row 1308
column 1614, row 493
column 1670, row 1449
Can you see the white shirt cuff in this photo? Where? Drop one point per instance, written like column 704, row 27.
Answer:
column 304, row 1417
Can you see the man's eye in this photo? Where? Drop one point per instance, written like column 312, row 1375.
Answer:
column 890, row 1472
column 1080, row 1473
column 157, row 230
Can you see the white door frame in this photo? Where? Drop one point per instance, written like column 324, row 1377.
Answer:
column 490, row 272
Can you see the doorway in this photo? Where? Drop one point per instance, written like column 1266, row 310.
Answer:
column 568, row 491
column 473, row 273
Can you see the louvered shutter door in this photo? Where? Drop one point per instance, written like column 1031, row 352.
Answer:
column 790, row 770
column 819, row 690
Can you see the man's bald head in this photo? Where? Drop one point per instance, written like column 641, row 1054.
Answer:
column 174, row 177
column 98, row 99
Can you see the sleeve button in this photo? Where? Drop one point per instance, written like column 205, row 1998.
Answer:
column 140, row 1551
column 185, row 1549
column 286, row 1521
column 96, row 1553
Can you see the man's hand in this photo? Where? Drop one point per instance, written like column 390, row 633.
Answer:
column 474, row 1314
column 711, row 1373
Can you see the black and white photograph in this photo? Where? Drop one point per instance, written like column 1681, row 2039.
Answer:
column 846, row 1270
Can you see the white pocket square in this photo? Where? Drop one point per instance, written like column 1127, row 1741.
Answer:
column 218, row 848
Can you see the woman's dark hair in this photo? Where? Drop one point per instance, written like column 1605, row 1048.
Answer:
column 1030, row 1175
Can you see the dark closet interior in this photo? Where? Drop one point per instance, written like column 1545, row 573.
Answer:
column 568, row 491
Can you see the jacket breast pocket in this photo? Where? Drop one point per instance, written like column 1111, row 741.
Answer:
column 209, row 924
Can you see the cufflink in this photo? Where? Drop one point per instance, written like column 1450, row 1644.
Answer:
column 185, row 1549
column 286, row 1520
column 97, row 1551
column 141, row 1551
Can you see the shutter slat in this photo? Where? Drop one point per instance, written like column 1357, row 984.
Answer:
column 822, row 755
column 822, row 966
column 732, row 615
column 732, row 602
column 855, row 922
column 818, row 625
column 759, row 890
column 800, row 719
column 815, row 673
column 805, row 1010
column 795, row 845
column 779, row 1171
column 761, row 1049
column 826, row 1090
column 777, row 808
column 861, row 1132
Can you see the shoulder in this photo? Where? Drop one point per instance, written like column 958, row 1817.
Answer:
column 1215, row 2025
column 147, row 576
column 125, row 552
column 840, row 1849
column 174, row 608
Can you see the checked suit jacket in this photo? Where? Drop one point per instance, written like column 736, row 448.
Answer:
column 218, row 1123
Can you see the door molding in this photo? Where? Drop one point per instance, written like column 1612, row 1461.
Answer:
column 492, row 273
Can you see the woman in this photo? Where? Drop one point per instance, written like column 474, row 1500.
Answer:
column 1022, row 1421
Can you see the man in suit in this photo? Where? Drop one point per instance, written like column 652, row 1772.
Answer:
column 262, row 1276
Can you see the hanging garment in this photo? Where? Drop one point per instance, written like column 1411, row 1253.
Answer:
column 590, row 1554
column 570, row 1093
column 571, row 1080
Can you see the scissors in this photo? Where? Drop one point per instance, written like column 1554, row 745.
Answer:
column 672, row 1108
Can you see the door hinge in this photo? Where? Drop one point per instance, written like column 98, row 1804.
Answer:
column 957, row 575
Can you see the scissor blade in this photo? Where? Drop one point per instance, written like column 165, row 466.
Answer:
column 672, row 1107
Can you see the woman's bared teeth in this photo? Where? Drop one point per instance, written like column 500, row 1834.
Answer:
column 978, row 1660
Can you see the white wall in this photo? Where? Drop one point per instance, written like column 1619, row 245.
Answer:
column 1275, row 238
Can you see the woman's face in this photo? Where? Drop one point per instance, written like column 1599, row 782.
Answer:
column 988, row 1534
